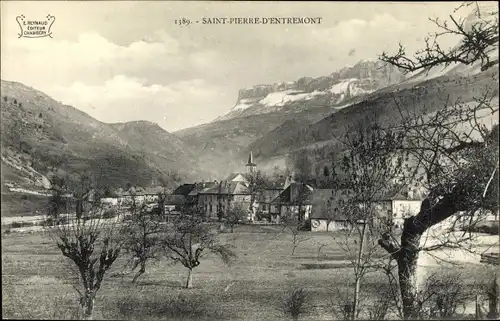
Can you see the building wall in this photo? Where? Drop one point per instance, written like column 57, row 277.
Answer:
column 139, row 199
column 210, row 203
column 293, row 211
column 110, row 200
column 404, row 208
column 320, row 225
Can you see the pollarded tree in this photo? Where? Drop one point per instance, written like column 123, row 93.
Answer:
column 453, row 152
column 143, row 234
column 189, row 239
column 91, row 243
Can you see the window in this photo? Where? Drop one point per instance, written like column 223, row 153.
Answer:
column 210, row 207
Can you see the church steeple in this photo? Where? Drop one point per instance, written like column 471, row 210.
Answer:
column 250, row 165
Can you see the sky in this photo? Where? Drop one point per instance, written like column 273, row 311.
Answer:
column 122, row 60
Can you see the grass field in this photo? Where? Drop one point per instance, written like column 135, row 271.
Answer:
column 35, row 281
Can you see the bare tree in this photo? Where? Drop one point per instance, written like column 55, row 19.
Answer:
column 235, row 214
column 454, row 154
column 142, row 235
column 189, row 239
column 293, row 227
column 477, row 43
column 370, row 170
column 91, row 243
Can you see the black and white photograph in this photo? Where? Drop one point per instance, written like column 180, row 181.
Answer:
column 250, row 160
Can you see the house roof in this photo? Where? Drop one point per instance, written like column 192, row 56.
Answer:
column 399, row 193
column 232, row 176
column 184, row 189
column 281, row 183
column 156, row 190
column 139, row 191
column 227, row 188
column 200, row 187
column 294, row 194
column 268, row 195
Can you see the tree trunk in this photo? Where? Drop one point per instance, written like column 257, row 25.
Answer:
column 407, row 272
column 357, row 284
column 493, row 296
column 140, row 272
column 88, row 306
column 406, row 255
column 189, row 281
column 232, row 228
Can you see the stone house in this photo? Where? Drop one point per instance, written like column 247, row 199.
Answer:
column 391, row 207
column 266, row 195
column 216, row 199
column 396, row 206
column 293, row 202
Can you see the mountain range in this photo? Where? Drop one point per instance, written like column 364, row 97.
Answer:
column 41, row 136
column 279, row 119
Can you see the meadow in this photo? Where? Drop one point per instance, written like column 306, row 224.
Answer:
column 37, row 280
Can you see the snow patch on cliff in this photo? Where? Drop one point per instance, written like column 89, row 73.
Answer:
column 282, row 98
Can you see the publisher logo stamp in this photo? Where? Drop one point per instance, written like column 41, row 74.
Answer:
column 35, row 28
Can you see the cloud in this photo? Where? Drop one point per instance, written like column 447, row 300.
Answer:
column 153, row 78
column 354, row 34
column 91, row 58
column 124, row 98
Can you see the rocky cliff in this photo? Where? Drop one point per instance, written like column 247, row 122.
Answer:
column 334, row 90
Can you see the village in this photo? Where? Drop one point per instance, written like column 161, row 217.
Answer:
column 282, row 199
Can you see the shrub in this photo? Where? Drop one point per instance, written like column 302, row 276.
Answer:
column 51, row 221
column 111, row 213
column 263, row 216
column 20, row 224
column 295, row 303
column 172, row 307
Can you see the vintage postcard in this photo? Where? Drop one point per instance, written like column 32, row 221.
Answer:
column 249, row 160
